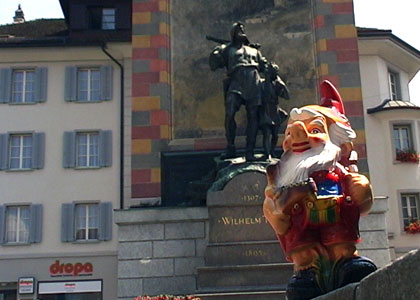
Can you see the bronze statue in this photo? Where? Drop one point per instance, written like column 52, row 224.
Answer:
column 271, row 114
column 243, row 85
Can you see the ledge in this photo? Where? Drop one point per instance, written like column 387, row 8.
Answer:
column 160, row 215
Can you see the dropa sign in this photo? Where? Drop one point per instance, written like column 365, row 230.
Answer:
column 58, row 269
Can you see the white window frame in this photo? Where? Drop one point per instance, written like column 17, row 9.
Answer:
column 108, row 13
column 90, row 89
column 21, row 156
column 18, row 225
column 87, row 217
column 394, row 85
column 413, row 133
column 408, row 208
column 89, row 157
column 24, row 90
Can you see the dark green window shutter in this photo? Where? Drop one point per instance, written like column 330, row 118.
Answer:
column 35, row 232
column 70, row 85
column 41, row 79
column 4, row 151
column 2, row 223
column 38, row 150
column 69, row 149
column 106, row 82
column 105, row 148
column 67, row 222
column 105, row 221
column 5, row 85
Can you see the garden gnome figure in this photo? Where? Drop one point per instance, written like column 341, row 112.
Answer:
column 314, row 199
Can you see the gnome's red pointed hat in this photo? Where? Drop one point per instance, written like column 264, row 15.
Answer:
column 332, row 109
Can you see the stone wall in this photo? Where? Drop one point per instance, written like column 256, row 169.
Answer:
column 398, row 280
column 160, row 249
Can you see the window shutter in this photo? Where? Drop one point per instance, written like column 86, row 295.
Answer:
column 67, row 222
column 5, row 85
column 105, row 221
column 105, row 148
column 69, row 149
column 2, row 223
column 41, row 84
column 35, row 233
column 4, row 151
column 38, row 150
column 106, row 82
column 70, row 88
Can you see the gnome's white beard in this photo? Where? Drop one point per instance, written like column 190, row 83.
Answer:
column 296, row 167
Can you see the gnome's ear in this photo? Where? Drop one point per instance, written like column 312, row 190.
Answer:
column 330, row 97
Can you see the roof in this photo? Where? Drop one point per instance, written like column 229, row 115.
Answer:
column 54, row 32
column 374, row 33
column 392, row 105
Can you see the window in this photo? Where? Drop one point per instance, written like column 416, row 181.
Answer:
column 402, row 137
column 102, row 18
column 19, row 86
column 22, row 151
column 17, row 224
column 394, row 85
column 86, row 222
column 410, row 208
column 23, row 87
column 88, row 84
column 108, row 18
column 88, row 81
column 87, row 149
column 20, row 224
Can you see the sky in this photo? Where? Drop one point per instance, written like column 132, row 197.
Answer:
column 401, row 16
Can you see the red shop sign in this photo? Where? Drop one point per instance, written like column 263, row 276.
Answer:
column 58, row 269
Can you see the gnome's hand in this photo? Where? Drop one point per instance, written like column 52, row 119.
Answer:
column 274, row 214
column 360, row 191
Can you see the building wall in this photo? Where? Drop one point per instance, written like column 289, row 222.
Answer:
column 54, row 185
column 335, row 58
column 388, row 177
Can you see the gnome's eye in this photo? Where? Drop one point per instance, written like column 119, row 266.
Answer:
column 315, row 130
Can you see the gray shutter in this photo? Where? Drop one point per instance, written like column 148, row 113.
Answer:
column 70, row 86
column 4, row 151
column 106, row 82
column 69, row 149
column 105, row 221
column 35, row 232
column 105, row 148
column 123, row 15
column 2, row 223
column 67, row 222
column 41, row 80
column 38, row 150
column 5, row 85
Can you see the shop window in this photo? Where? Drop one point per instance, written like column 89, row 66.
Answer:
column 20, row 224
column 87, row 149
column 410, row 208
column 86, row 222
column 22, row 151
column 20, row 86
column 88, row 84
column 394, row 85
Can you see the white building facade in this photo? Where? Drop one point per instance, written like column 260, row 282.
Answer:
column 387, row 64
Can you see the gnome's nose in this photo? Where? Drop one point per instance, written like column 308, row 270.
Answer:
column 298, row 132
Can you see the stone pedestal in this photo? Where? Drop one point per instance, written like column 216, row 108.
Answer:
column 243, row 253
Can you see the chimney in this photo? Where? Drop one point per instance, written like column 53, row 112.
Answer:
column 19, row 16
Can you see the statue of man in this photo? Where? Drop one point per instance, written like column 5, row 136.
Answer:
column 243, row 63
